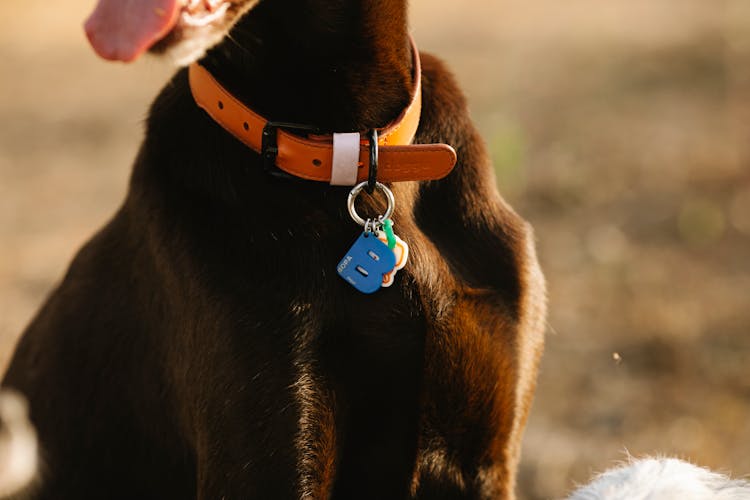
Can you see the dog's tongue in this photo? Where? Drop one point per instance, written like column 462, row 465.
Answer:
column 122, row 30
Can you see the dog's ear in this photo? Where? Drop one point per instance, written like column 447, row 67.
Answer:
column 122, row 30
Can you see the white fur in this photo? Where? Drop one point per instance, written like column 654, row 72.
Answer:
column 18, row 444
column 194, row 47
column 662, row 479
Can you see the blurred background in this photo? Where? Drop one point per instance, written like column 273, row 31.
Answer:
column 619, row 128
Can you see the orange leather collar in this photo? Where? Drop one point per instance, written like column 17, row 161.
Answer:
column 311, row 157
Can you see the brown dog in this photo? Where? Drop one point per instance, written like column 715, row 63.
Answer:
column 201, row 344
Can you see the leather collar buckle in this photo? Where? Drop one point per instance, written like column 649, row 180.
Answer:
column 269, row 148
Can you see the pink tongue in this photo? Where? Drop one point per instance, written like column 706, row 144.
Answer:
column 122, row 30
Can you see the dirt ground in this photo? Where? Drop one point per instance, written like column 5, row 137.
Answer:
column 620, row 129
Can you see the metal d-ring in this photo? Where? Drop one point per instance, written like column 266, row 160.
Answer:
column 358, row 189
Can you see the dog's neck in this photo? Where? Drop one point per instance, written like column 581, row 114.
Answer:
column 337, row 64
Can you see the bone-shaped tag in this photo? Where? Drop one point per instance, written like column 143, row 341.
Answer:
column 366, row 263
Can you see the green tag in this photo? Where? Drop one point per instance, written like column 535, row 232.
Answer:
column 388, row 228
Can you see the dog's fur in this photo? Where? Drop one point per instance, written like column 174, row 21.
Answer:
column 662, row 479
column 18, row 445
column 201, row 344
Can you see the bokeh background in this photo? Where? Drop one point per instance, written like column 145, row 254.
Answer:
column 619, row 128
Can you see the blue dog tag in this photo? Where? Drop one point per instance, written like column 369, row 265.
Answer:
column 366, row 262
